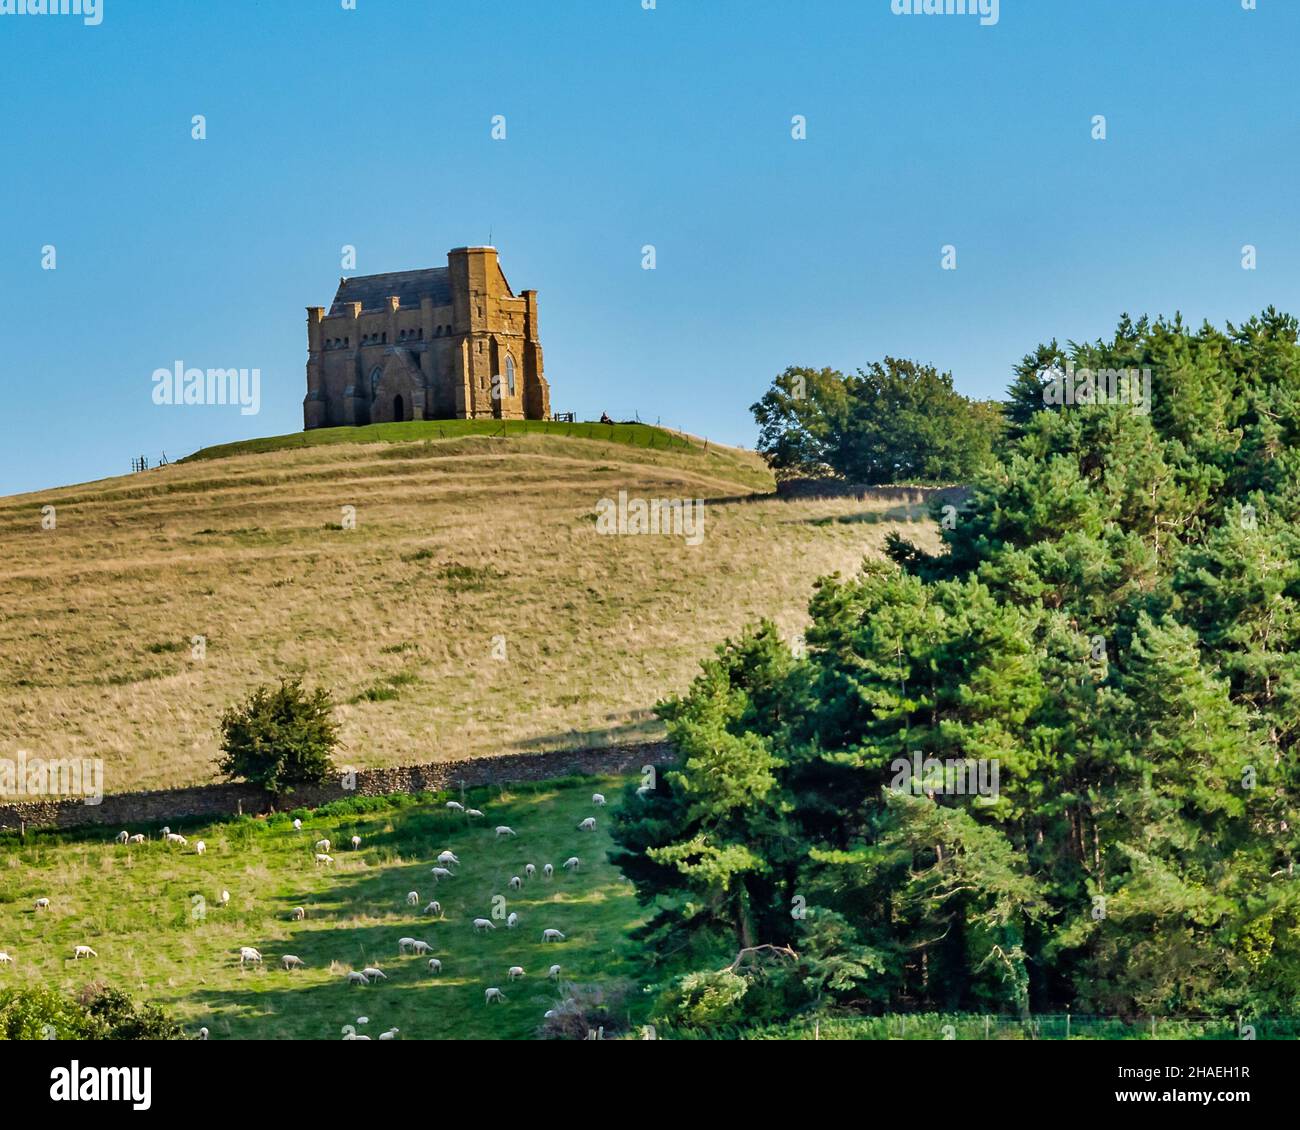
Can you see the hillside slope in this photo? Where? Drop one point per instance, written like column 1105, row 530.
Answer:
column 473, row 610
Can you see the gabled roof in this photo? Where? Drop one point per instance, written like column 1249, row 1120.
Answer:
column 372, row 291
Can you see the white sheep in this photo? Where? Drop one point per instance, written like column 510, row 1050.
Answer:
column 166, row 831
column 138, row 838
column 421, row 947
column 5, row 959
column 356, row 842
column 435, row 966
column 571, row 864
column 552, row 936
column 200, row 847
column 358, row 979
column 473, row 812
column 588, row 825
column 505, row 830
column 434, row 908
column 440, row 873
column 446, row 857
column 493, row 994
column 548, row 871
column 515, row 882
column 322, row 845
column 79, row 952
column 122, row 837
column 481, row 924
column 529, row 870
column 515, row 971
column 203, row 1033
column 455, row 806
column 598, row 799
column 403, row 944
column 321, row 857
column 292, row 961
column 297, row 825
column 175, row 838
column 512, row 920
column 412, row 898
column 249, row 954
column 391, row 1034
column 373, row 973
column 299, row 913
column 553, row 973
column 42, row 904
column 223, row 898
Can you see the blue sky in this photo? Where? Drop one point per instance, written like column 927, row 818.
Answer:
column 625, row 127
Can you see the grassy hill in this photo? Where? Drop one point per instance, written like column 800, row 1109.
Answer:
column 473, row 610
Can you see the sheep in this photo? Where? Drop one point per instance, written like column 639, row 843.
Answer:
column 292, row 961
column 403, row 944
column 446, row 857
column 322, row 858
column 529, row 870
column 248, row 953
column 455, row 806
column 138, row 838
column 505, row 830
column 548, row 871
column 515, row 971
column 391, row 1034
column 588, row 825
column 297, row 825
column 434, row 908
column 473, row 812
column 493, row 994
column 553, row 973
column 597, row 799
column 175, row 838
column 515, row 882
column 358, row 979
column 5, row 959
column 421, row 947
column 42, row 904
column 481, row 924
column 223, row 898
column 122, row 837
column 323, row 845
column 512, row 920
column 299, row 913
column 373, row 973
column 200, row 847
column 552, row 936
column 79, row 952
column 435, row 966
column 571, row 863
column 203, row 1033
column 440, row 873
column 356, row 842
column 166, row 831
column 412, row 898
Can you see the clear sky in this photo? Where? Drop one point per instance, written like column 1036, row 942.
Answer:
column 625, row 127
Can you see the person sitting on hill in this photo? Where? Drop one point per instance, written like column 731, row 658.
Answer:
column 604, row 418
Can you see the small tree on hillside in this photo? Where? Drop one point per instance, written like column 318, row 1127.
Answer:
column 282, row 737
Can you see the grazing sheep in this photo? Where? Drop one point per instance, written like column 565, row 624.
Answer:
column 248, row 953
column 421, row 947
column 435, row 908
column 5, row 959
column 435, row 966
column 512, row 920
column 455, row 806
column 292, row 961
column 588, row 825
column 553, row 973
column 299, row 913
column 481, row 924
column 175, row 838
column 571, row 863
column 322, row 845
column 122, row 837
column 356, row 842
column 515, row 971
column 412, row 898
column 505, row 830
column 223, row 898
column 203, row 1033
column 138, row 838
column 373, row 973
column 403, row 944
column 322, row 858
column 552, row 936
column 297, row 825
column 597, row 799
column 529, row 870
column 473, row 812
column 391, row 1034
column 166, row 830
column 42, row 904
column 548, row 871
column 440, row 873
column 358, row 979
column 515, row 882
column 200, row 847
column 79, row 952
column 491, row 995
column 447, row 857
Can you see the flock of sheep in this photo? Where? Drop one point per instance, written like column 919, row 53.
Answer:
column 446, row 860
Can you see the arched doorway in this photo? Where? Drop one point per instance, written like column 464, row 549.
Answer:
column 399, row 409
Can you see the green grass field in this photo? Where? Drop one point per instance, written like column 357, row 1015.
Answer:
column 152, row 914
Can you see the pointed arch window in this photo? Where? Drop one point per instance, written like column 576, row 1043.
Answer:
column 510, row 374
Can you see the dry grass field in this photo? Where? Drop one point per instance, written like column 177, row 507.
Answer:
column 473, row 610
